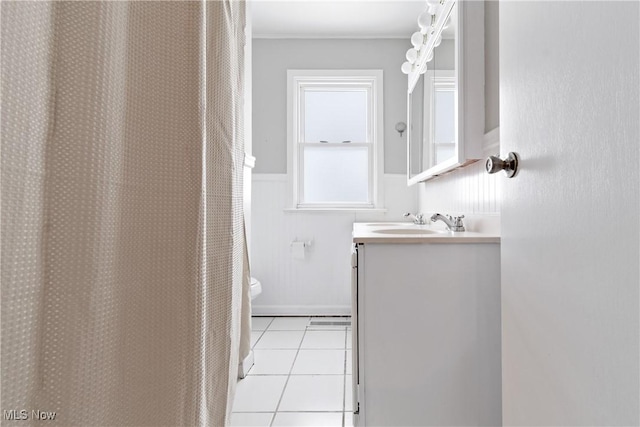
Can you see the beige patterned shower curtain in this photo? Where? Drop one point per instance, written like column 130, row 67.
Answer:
column 122, row 245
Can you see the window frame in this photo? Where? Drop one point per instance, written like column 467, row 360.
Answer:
column 437, row 80
column 297, row 82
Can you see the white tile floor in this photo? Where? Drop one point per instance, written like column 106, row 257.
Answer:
column 301, row 376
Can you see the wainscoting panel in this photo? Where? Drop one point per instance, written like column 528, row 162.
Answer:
column 319, row 284
column 470, row 190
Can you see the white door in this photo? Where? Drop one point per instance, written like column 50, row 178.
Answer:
column 569, row 82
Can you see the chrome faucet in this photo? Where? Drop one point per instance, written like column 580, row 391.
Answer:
column 417, row 219
column 454, row 223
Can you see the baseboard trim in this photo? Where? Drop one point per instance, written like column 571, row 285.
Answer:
column 301, row 310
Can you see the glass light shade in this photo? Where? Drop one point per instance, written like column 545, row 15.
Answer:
column 417, row 39
column 438, row 41
column 424, row 20
column 412, row 55
column 406, row 68
column 433, row 6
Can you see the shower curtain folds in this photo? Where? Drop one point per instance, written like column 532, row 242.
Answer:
column 122, row 244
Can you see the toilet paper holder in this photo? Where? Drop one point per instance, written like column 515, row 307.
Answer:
column 305, row 243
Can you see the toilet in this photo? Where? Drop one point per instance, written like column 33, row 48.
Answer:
column 256, row 288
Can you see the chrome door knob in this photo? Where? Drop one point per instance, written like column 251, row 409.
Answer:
column 509, row 165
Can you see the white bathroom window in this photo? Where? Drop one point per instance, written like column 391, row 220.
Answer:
column 335, row 138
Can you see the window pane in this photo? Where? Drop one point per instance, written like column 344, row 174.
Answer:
column 335, row 116
column 336, row 174
column 445, row 130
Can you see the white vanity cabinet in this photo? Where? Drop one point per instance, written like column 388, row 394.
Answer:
column 427, row 332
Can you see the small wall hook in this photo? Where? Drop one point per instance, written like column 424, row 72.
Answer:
column 509, row 165
column 401, row 127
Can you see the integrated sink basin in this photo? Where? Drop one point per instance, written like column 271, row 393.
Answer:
column 406, row 231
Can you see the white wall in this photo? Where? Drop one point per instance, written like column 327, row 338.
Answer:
column 468, row 191
column 444, row 56
column 272, row 58
column 319, row 284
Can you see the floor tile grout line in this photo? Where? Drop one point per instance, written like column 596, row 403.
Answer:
column 258, row 340
column 305, row 349
column 287, row 412
column 297, row 375
column 266, row 327
column 309, row 412
column 298, row 330
column 344, row 349
column 261, row 335
column 344, row 382
column 277, row 348
column 287, row 381
column 287, row 330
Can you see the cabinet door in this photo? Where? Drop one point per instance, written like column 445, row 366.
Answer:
column 430, row 335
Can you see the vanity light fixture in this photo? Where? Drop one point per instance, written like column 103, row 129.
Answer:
column 433, row 7
column 417, row 40
column 412, row 55
column 424, row 21
column 430, row 22
column 401, row 127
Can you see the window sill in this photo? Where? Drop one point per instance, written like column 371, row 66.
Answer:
column 334, row 210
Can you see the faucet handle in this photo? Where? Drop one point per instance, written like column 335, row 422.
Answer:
column 458, row 224
column 417, row 218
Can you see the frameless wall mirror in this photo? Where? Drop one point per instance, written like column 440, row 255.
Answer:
column 445, row 89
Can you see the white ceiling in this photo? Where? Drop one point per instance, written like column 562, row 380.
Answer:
column 336, row 18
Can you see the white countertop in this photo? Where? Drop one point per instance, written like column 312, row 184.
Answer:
column 394, row 232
